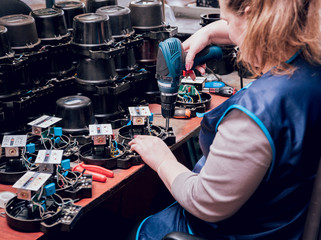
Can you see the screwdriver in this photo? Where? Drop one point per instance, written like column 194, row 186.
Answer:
column 225, row 91
column 182, row 113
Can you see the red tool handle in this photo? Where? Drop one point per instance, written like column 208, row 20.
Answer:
column 96, row 176
column 98, row 169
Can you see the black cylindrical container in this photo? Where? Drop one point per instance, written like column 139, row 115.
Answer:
column 27, row 72
column 52, row 30
column 91, row 73
column 50, row 23
column 127, row 133
column 126, row 62
column 120, row 21
column 22, row 31
column 21, row 218
column 146, row 14
column 121, row 29
column 227, row 64
column 106, row 105
column 71, row 9
column 7, row 85
column 91, row 31
column 76, row 113
column 5, row 47
column 209, row 18
column 93, row 5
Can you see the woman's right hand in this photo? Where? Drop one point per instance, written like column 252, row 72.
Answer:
column 213, row 33
column 193, row 45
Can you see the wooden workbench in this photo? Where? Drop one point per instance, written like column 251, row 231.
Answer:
column 184, row 129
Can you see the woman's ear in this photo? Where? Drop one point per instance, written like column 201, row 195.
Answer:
column 247, row 10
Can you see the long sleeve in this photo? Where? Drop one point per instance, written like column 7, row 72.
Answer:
column 239, row 158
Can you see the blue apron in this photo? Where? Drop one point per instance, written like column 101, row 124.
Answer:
column 287, row 109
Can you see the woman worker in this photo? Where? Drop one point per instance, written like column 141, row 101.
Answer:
column 261, row 147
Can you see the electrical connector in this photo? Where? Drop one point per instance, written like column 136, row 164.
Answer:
column 57, row 131
column 65, row 164
column 31, row 148
column 50, row 189
column 57, row 140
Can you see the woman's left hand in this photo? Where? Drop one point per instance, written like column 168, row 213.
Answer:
column 152, row 150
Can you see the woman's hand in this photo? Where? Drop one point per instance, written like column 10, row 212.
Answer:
column 152, row 150
column 213, row 33
column 193, row 45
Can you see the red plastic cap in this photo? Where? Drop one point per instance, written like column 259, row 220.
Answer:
column 187, row 72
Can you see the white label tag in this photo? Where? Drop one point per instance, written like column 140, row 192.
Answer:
column 49, row 156
column 14, row 141
column 44, row 121
column 32, row 181
column 100, row 129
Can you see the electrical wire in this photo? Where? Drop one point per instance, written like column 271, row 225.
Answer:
column 217, row 77
column 29, row 165
column 40, row 207
column 199, row 95
column 114, row 150
column 40, row 194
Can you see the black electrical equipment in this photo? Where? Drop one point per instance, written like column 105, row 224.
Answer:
column 68, row 81
column 76, row 113
column 141, row 123
column 96, row 76
column 121, row 30
column 5, row 47
column 147, row 21
column 93, row 5
column 113, row 152
column 11, row 168
column 189, row 97
column 46, row 215
column 104, row 150
column 15, row 161
column 36, row 70
column 71, row 9
column 126, row 64
column 25, row 70
column 54, row 35
column 48, row 187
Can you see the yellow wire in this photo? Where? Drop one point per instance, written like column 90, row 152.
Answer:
column 199, row 96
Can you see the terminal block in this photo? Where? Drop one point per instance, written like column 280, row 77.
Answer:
column 29, row 183
column 47, row 159
column 139, row 115
column 42, row 123
column 13, row 144
column 100, row 133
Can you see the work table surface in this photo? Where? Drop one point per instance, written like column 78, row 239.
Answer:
column 183, row 129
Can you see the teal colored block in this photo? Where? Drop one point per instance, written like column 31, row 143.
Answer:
column 151, row 117
column 50, row 189
column 65, row 164
column 57, row 131
column 31, row 148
